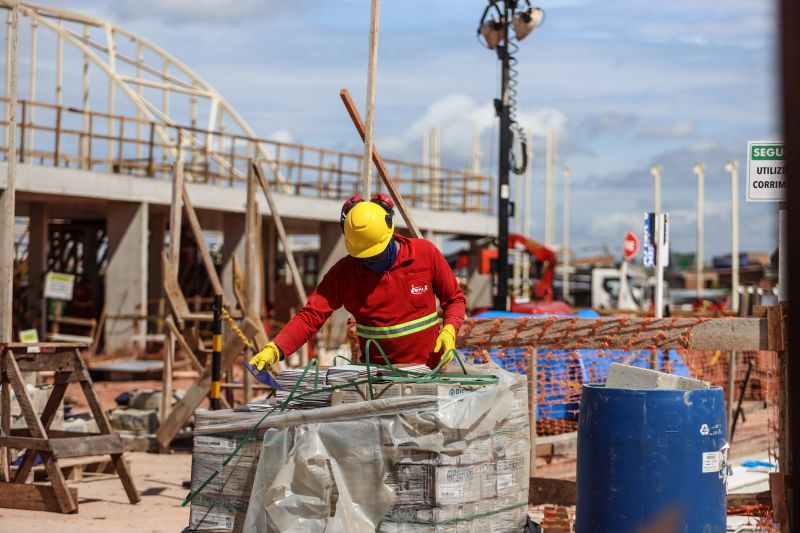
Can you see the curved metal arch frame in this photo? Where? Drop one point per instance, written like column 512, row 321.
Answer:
column 196, row 86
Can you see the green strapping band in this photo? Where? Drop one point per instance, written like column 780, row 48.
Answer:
column 398, row 330
column 455, row 520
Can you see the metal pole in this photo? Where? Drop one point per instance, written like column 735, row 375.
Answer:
column 565, row 239
column 372, row 67
column 59, row 63
column 7, row 86
column 659, row 266
column 32, row 85
column 549, row 189
column 501, row 298
column 656, row 171
column 699, row 169
column 731, row 391
column 85, row 139
column 528, row 191
column 733, row 168
column 216, row 353
column 8, row 196
column 112, row 62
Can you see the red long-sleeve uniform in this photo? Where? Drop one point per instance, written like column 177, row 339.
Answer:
column 405, row 296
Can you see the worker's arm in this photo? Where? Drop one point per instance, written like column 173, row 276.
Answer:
column 325, row 299
column 446, row 288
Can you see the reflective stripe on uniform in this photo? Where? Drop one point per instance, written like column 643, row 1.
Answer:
column 399, row 330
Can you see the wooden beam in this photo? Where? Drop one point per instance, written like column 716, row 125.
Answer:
column 564, row 492
column 382, row 171
column 287, row 246
column 82, row 446
column 7, row 197
column 622, row 333
column 194, row 223
column 553, row 491
column 29, row 497
column 372, row 68
column 182, row 411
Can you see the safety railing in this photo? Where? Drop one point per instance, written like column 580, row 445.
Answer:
column 68, row 137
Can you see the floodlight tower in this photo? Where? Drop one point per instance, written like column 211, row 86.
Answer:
column 494, row 28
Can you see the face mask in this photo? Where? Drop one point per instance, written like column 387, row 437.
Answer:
column 384, row 261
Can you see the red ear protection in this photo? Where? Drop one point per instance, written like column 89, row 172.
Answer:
column 346, row 207
column 379, row 198
column 386, row 203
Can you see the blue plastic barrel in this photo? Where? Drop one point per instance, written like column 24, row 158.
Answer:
column 644, row 453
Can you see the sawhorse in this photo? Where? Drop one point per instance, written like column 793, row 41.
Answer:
column 38, row 439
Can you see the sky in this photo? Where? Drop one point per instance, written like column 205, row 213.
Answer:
column 624, row 85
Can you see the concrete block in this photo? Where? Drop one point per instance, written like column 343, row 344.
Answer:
column 81, row 425
column 149, row 399
column 631, row 377
column 134, row 420
column 38, row 396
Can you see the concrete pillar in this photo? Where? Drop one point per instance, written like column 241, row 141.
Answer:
column 233, row 244
column 158, row 229
column 38, row 251
column 126, row 274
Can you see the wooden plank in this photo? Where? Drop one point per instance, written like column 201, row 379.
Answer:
column 25, row 443
column 5, row 416
column 80, row 446
column 182, row 411
column 91, row 398
column 553, row 491
column 31, row 497
column 23, row 399
column 172, row 291
column 197, row 231
column 66, row 502
column 372, row 67
column 623, row 333
column 124, row 473
column 776, row 497
column 287, row 246
column 185, row 345
column 34, row 362
column 379, row 164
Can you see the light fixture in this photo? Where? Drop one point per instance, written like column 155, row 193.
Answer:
column 492, row 32
column 526, row 21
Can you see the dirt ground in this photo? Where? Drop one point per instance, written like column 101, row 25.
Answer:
column 103, row 506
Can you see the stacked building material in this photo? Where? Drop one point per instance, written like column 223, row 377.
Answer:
column 433, row 456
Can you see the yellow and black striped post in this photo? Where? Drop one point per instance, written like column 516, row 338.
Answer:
column 216, row 352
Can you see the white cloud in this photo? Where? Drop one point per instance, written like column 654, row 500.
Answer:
column 678, row 130
column 281, row 136
column 458, row 117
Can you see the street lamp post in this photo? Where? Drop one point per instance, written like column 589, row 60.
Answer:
column 733, row 168
column 656, row 171
column 699, row 169
column 566, row 172
column 494, row 28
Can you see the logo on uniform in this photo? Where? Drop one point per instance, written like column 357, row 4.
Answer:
column 419, row 289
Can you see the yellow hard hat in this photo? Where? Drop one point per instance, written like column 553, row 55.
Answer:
column 368, row 228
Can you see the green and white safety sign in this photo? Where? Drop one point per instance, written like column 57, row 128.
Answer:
column 766, row 181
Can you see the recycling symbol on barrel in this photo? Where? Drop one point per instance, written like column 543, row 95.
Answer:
column 704, row 429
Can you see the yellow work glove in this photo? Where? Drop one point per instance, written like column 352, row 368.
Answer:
column 268, row 356
column 446, row 341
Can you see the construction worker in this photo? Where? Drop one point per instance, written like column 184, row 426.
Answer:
column 389, row 283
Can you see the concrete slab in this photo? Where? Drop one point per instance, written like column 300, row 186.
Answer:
column 630, row 377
